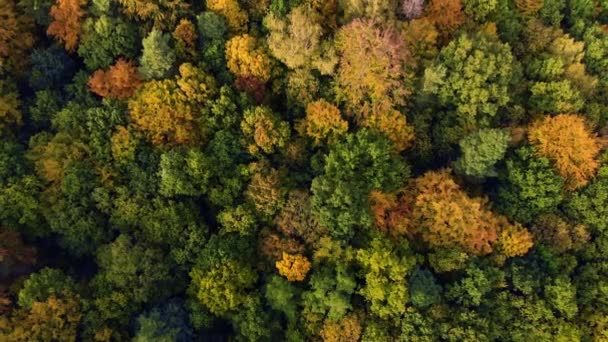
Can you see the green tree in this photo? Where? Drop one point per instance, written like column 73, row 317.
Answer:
column 529, row 186
column 46, row 283
column 481, row 151
column 157, row 57
column 106, row 38
column 355, row 166
column 477, row 70
column 385, row 267
column 423, row 288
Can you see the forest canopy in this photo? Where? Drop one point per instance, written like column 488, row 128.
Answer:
column 304, row 170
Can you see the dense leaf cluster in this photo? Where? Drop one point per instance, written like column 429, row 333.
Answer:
column 303, row 170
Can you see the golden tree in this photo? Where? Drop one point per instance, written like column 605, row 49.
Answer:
column 447, row 15
column 372, row 75
column 245, row 58
column 293, row 267
column 168, row 111
column 235, row 16
column 67, row 19
column 323, row 122
column 394, row 125
column 445, row 216
column 566, row 140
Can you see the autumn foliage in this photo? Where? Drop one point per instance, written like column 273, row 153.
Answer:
column 566, row 140
column 245, row 58
column 293, row 267
column 373, row 68
column 119, row 82
column 323, row 122
column 446, row 216
column 167, row 111
column 67, row 15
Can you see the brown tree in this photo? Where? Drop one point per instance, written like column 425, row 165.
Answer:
column 119, row 82
column 67, row 19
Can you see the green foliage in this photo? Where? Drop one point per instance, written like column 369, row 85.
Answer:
column 239, row 170
column 423, row 288
column 41, row 285
column 106, row 38
column 355, row 166
column 385, row 268
column 477, row 73
column 481, row 151
column 157, row 56
column 529, row 186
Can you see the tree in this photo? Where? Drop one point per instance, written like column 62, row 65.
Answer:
column 185, row 39
column 167, row 322
column 282, row 296
column 588, row 205
column 67, row 16
column 529, row 186
column 378, row 10
column 157, row 57
column 446, row 217
column 246, row 58
column 13, row 49
column 265, row 129
column 293, row 267
column 51, row 320
column 479, row 9
column 323, row 122
column 235, row 16
column 447, row 15
column 393, row 124
column 346, row 329
column 423, row 288
column 477, row 72
column 555, row 97
column 372, row 75
column 299, row 41
column 156, row 10
column 169, row 111
column 296, row 218
column 385, row 267
column 566, row 141
column 412, row 9
column 355, row 166
column 42, row 285
column 119, row 82
column 106, row 39
column 130, row 274
column 481, row 151
column 222, row 275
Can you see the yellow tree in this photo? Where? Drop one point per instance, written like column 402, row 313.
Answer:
column 168, row 111
column 265, row 129
column 156, row 10
column 245, row 58
column 67, row 19
column 293, row 267
column 394, row 125
column 445, row 216
column 573, row 148
column 372, row 74
column 52, row 320
column 323, row 122
column 235, row 16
